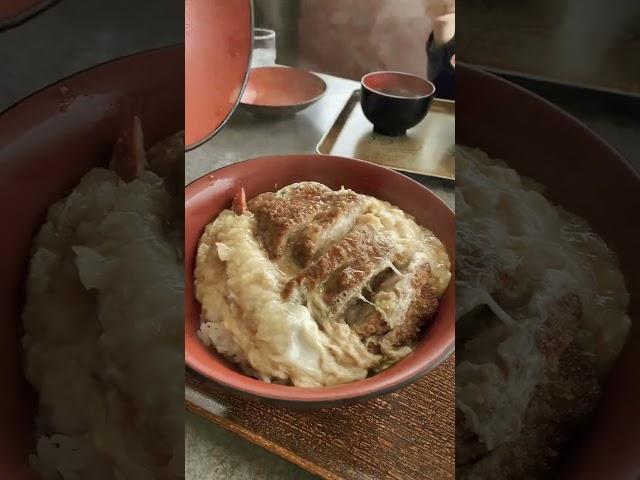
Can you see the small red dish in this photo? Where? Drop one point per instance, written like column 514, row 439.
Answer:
column 208, row 196
column 217, row 49
column 281, row 90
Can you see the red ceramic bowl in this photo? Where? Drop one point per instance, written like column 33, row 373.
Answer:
column 218, row 39
column 208, row 196
column 47, row 142
column 585, row 175
column 281, row 90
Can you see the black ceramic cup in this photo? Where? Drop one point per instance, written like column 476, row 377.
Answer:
column 394, row 101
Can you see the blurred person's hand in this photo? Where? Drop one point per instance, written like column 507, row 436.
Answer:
column 444, row 28
column 440, row 52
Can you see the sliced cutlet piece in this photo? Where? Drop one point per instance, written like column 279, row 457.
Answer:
column 344, row 267
column 336, row 219
column 365, row 320
column 282, row 214
column 558, row 406
column 345, row 288
column 420, row 310
column 393, row 302
column 362, row 316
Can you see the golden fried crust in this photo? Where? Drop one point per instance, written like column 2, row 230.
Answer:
column 337, row 217
column 478, row 263
column 345, row 265
column 420, row 311
column 557, row 408
column 370, row 325
column 282, row 215
column 559, row 329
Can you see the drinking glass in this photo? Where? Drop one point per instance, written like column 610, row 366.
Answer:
column 264, row 48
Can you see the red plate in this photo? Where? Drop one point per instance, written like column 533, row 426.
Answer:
column 281, row 90
column 218, row 39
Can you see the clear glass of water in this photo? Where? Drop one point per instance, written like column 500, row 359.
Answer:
column 264, row 48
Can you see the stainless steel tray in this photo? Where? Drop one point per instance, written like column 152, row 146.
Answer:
column 427, row 149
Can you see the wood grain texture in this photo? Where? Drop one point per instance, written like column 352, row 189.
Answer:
column 405, row 435
column 576, row 42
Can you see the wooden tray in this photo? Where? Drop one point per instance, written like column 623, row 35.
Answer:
column 408, row 434
column 427, row 149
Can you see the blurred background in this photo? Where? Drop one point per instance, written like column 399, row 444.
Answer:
column 588, row 43
column 353, row 37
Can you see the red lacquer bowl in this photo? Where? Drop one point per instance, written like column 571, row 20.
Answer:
column 208, row 196
column 585, row 175
column 47, row 142
column 218, row 37
column 281, row 90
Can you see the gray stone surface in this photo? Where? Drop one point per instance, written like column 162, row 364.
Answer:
column 215, row 454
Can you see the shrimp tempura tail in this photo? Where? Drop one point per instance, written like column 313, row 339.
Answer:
column 128, row 159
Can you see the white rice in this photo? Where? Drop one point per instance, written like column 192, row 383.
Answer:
column 104, row 326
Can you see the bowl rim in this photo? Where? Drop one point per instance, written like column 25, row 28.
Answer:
column 288, row 105
column 401, row 74
column 633, row 172
column 214, row 132
column 331, row 395
column 262, row 33
column 151, row 51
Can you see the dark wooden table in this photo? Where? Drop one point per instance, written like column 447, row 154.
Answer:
column 405, row 435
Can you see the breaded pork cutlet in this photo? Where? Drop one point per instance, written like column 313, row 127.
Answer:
column 347, row 271
column 557, row 408
column 345, row 268
column 283, row 214
column 304, row 220
column 339, row 213
column 399, row 306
